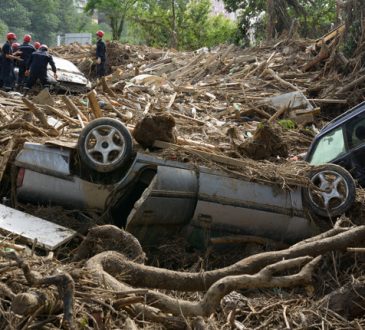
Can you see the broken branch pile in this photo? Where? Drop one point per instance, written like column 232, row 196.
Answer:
column 115, row 289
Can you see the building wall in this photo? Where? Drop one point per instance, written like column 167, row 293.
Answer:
column 218, row 8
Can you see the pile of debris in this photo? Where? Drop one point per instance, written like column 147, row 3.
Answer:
column 226, row 109
column 105, row 284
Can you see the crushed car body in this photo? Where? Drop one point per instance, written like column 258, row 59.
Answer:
column 152, row 197
column 69, row 79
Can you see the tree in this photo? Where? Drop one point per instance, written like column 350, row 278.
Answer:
column 272, row 17
column 116, row 12
column 15, row 16
column 353, row 12
column 44, row 19
column 181, row 24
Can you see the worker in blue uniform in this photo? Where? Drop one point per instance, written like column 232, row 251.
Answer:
column 37, row 68
column 26, row 49
column 100, row 54
column 7, row 63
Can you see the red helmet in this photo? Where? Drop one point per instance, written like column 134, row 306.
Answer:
column 100, row 33
column 43, row 47
column 11, row 36
column 37, row 45
column 27, row 38
column 15, row 45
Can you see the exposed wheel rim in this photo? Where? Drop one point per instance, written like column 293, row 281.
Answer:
column 104, row 145
column 332, row 192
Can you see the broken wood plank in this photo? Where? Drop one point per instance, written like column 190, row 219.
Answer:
column 281, row 81
column 324, row 53
column 74, row 110
column 60, row 114
column 6, row 156
column 331, row 35
column 94, row 104
column 39, row 114
column 171, row 102
column 351, row 85
column 106, row 88
column 328, row 101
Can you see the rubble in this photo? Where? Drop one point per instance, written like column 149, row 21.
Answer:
column 217, row 108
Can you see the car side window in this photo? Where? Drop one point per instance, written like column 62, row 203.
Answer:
column 355, row 131
column 329, row 147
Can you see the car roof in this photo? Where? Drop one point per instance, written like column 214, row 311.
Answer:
column 338, row 121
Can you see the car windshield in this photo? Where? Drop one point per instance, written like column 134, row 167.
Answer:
column 329, row 147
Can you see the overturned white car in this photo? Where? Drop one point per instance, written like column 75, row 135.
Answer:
column 70, row 78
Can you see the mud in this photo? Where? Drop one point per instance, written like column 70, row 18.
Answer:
column 156, row 127
column 267, row 142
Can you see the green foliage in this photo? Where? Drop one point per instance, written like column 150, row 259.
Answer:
column 43, row 19
column 181, row 24
column 287, row 123
column 314, row 17
column 220, row 30
column 3, row 27
column 116, row 12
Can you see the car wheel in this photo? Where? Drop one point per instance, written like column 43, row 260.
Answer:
column 333, row 191
column 105, row 145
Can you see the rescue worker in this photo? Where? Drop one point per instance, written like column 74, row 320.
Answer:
column 36, row 45
column 26, row 51
column 37, row 68
column 15, row 48
column 100, row 54
column 7, row 63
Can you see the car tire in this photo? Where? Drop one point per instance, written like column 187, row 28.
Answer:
column 335, row 193
column 105, row 145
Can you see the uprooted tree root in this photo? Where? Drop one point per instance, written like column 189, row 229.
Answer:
column 124, row 288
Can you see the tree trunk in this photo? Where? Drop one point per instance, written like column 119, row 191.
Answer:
column 173, row 42
column 117, row 27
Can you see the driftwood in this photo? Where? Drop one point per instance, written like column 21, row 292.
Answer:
column 152, row 277
column 27, row 303
column 257, row 271
column 102, row 269
column 109, row 237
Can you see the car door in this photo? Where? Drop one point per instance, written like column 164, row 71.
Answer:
column 233, row 205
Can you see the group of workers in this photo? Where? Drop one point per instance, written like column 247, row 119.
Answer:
column 32, row 62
